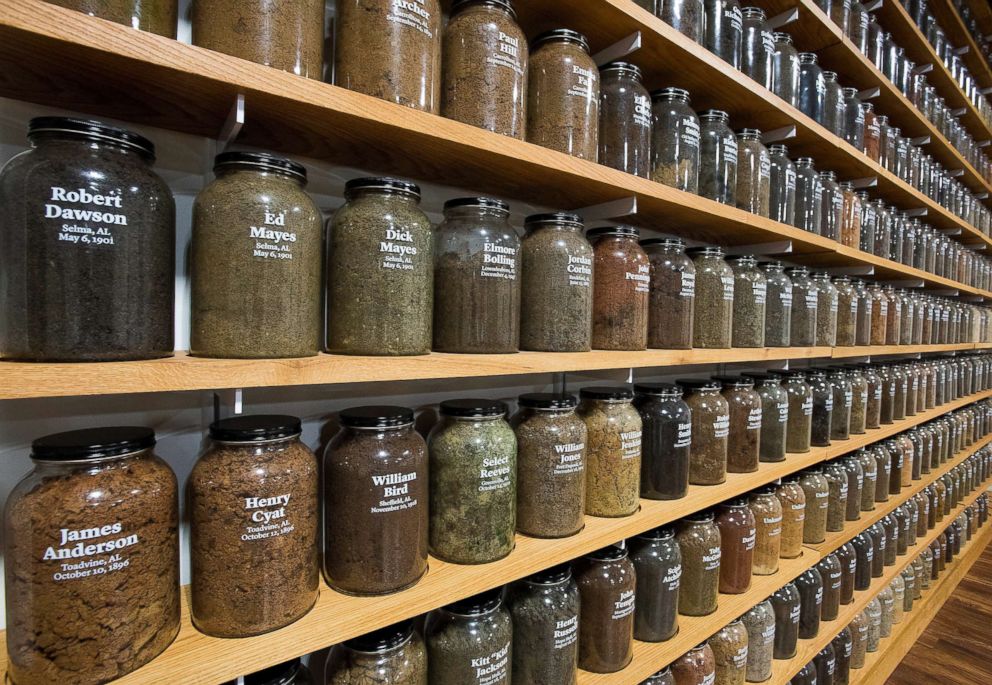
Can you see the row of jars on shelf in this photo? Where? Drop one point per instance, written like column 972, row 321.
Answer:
column 970, row 21
column 560, row 620
column 388, row 496
column 744, row 650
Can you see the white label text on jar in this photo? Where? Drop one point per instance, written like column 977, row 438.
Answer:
column 90, row 558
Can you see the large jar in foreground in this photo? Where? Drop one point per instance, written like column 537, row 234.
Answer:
column 710, row 431
column 699, row 545
column 563, row 95
column 545, row 611
column 673, row 294
column 87, row 247
column 621, row 287
column 484, row 67
column 380, row 271
column 97, row 500
column 156, row 16
column 252, row 500
column 395, row 653
column 613, row 451
column 714, row 303
column 606, row 580
column 666, row 438
column 375, row 493
column 255, row 261
column 291, row 38
column 473, row 631
column 476, row 278
column 473, row 482
column 556, row 287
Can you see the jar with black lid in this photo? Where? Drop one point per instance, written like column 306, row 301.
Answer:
column 879, row 544
column 745, row 423
column 476, row 278
column 830, row 572
column 97, row 498
column 782, row 186
column 717, row 157
column 463, row 634
column 157, row 16
column 757, row 47
column 556, row 285
column 672, row 296
column 817, row 491
column 812, row 87
column 827, row 305
column 380, row 271
column 74, row 291
column 621, row 287
column 809, row 195
column 774, row 416
column 563, row 94
column 685, row 16
column 606, row 580
column 724, row 29
column 778, row 305
column 883, row 465
column 805, row 301
column 657, row 563
column 854, row 118
column 864, row 548
column 831, row 206
column 710, row 414
column 792, row 496
column 843, row 396
column 625, row 119
column 675, row 140
column 699, row 545
column 736, row 523
column 799, row 427
column 666, row 438
column 484, row 67
column 753, row 173
column 833, row 105
column 824, row 664
column 837, row 498
column 292, row 39
column 395, row 653
column 842, row 646
column 767, row 510
column 253, row 559
column 810, row 586
column 891, row 530
column 823, row 408
column 613, row 451
column 473, row 482
column 855, row 483
column 551, row 465
column 848, row 558
column 714, row 301
column 788, row 608
column 545, row 612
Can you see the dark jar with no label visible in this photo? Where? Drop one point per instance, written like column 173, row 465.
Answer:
column 613, row 451
column 621, row 287
column 461, row 635
column 810, row 586
column 551, row 465
column 778, row 305
column 658, row 567
column 666, row 438
column 724, row 30
column 380, row 271
column 675, row 139
column 625, row 119
column 473, row 482
column 77, row 295
column 699, row 544
column 786, row 603
column 745, row 423
column 545, row 612
column 476, row 278
column 812, row 87
column 737, row 536
column 395, row 654
column 606, row 580
column 710, row 414
column 253, row 560
column 830, row 572
column 717, row 157
column 673, row 294
column 556, row 286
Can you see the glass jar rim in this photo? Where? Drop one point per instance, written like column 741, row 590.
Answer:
column 621, row 67
column 262, row 161
column 506, row 5
column 92, row 444
column 383, row 639
column 621, row 230
column 547, row 401
column 490, row 203
column 664, row 242
column 670, row 93
column 255, row 428
column 562, row 35
column 376, row 416
column 91, row 129
column 554, row 218
column 382, row 183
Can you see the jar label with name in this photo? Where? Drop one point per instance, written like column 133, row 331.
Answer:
column 760, row 290
column 641, row 279
column 672, row 577
column 582, row 87
column 412, row 14
column 570, row 458
column 494, row 474
column 630, row 445
column 684, row 437
column 499, row 261
column 399, row 252
column 688, row 285
column 507, row 54
column 82, row 217
column 89, row 552
column 494, row 668
column 690, row 134
column 393, row 492
column 728, row 287
column 721, row 426
column 786, row 295
column 623, row 607
column 579, row 271
column 271, row 240
column 566, row 632
column 754, row 419
column 267, row 517
column 711, row 560
column 783, row 412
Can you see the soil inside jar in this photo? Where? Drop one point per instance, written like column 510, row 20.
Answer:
column 606, row 622
column 621, row 288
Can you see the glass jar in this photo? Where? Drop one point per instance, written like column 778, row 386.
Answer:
column 874, row 614
column 782, row 186
column 831, row 206
column 850, row 227
column 823, row 408
column 873, row 409
column 809, row 196
column 613, row 454
column 799, row 427
column 891, row 529
column 883, row 464
column 767, row 512
column 625, row 119
column 843, row 396
column 380, row 271
column 853, row 123
column 621, row 285
column 870, row 469
column 774, row 417
column 675, row 139
column 563, row 94
column 787, row 607
column 717, row 157
column 879, row 314
column 685, row 16
column 792, row 497
column 697, row 666
column 859, row 639
column 898, row 587
column 760, row 624
column 864, row 547
column 848, row 557
column 551, row 465
column 833, row 105
column 785, row 70
column 710, row 414
column 817, row 492
column 699, row 545
column 545, row 612
column 672, row 296
column 730, row 648
column 871, row 132
column 855, row 483
column 842, row 644
column 714, row 303
column 886, row 598
column 484, row 68
column 62, row 293
column 836, row 478
column 869, row 223
column 606, row 580
column 805, row 300
column 292, row 38
column 476, row 283
column 847, row 311
column 473, row 482
column 556, row 285
column 466, row 633
column 658, row 566
column 724, row 28
column 253, row 560
column 827, row 306
column 753, row 173
column 737, row 540
column 107, row 487
column 667, row 436
column 750, row 298
column 830, row 572
column 812, row 87
column 810, row 586
column 757, row 47
column 395, row 653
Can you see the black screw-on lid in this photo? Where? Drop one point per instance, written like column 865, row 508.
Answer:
column 547, row 400
column 551, row 576
column 611, row 553
column 92, row 443
column 670, row 92
column 735, row 502
column 788, row 373
column 263, row 161
column 609, row 392
column 714, row 115
column 567, row 35
column 659, row 533
column 626, row 231
column 711, row 250
column 625, row 67
column 699, row 516
column 92, row 130
column 458, row 5
column 487, row 202
column 698, row 383
column 664, row 242
column 281, row 674
column 735, row 381
column 473, row 408
column 660, row 389
column 767, row 489
column 255, row 428
column 376, row 417
column 554, row 218
column 383, row 639
column 762, row 377
column 394, row 185
column 482, row 603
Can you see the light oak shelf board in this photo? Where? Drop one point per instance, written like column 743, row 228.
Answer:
column 651, row 657
column 958, row 34
column 982, row 11
column 784, row 670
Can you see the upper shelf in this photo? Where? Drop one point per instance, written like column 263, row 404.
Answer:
column 949, row 19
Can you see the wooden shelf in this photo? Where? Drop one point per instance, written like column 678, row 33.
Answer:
column 57, row 57
column 958, row 34
column 784, row 670
column 21, row 380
